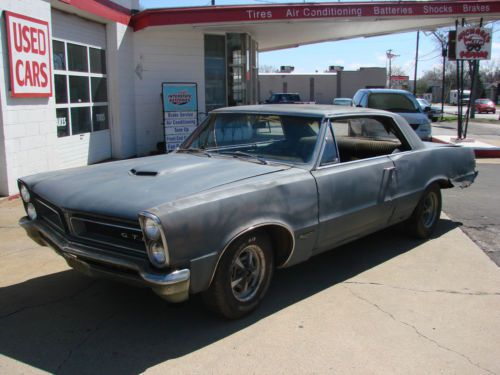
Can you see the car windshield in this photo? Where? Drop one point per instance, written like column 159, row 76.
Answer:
column 394, row 102
column 256, row 137
column 423, row 103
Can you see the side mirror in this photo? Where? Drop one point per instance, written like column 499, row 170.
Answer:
column 427, row 109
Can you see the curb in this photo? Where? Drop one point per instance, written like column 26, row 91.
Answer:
column 480, row 152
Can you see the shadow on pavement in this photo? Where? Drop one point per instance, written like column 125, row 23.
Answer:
column 66, row 323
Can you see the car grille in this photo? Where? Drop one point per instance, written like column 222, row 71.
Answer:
column 49, row 214
column 115, row 235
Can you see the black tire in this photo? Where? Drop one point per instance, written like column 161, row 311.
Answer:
column 242, row 277
column 426, row 215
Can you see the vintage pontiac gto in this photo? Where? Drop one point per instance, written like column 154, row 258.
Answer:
column 253, row 188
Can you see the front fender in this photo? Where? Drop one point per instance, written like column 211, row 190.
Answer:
column 199, row 228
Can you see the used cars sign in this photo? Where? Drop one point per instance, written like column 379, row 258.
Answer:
column 29, row 55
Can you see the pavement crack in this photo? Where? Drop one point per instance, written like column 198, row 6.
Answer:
column 82, row 342
column 416, row 330
column 471, row 293
column 24, row 308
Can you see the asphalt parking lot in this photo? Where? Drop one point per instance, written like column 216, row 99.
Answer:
column 385, row 304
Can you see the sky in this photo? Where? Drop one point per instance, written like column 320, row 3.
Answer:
column 353, row 53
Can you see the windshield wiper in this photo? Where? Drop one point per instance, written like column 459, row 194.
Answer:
column 245, row 155
column 194, row 151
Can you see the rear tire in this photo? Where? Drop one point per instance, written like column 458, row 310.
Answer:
column 242, row 277
column 425, row 217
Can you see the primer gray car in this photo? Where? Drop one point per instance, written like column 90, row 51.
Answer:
column 252, row 189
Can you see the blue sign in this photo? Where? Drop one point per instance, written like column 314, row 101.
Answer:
column 179, row 97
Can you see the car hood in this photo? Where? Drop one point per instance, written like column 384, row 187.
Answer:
column 123, row 189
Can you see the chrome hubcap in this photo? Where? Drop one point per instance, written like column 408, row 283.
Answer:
column 429, row 212
column 247, row 273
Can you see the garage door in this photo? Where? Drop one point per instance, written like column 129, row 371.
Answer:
column 81, row 95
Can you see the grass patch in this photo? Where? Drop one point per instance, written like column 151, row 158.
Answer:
column 447, row 118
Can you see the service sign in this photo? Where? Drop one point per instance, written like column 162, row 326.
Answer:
column 473, row 43
column 180, row 108
column 29, row 55
column 179, row 97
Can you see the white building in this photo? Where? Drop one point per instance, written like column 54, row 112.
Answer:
column 81, row 80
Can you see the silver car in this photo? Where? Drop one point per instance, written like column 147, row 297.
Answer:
column 252, row 189
column 401, row 102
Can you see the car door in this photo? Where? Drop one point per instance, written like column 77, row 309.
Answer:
column 355, row 181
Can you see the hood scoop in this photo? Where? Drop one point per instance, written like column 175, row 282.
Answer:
column 135, row 172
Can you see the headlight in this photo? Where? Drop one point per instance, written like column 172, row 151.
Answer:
column 157, row 254
column 154, row 238
column 31, row 211
column 152, row 229
column 25, row 194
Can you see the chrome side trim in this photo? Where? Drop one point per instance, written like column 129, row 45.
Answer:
column 249, row 229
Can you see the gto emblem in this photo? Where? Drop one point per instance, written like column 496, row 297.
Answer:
column 131, row 236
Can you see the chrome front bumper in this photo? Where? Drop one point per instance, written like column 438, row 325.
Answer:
column 172, row 286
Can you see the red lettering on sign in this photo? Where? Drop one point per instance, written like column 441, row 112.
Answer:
column 43, row 72
column 27, row 75
column 33, row 39
column 42, row 47
column 25, row 33
column 18, row 42
column 19, row 64
column 29, row 54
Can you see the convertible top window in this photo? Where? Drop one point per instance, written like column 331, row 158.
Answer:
column 267, row 137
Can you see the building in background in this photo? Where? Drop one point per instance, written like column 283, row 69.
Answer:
column 321, row 87
column 81, row 80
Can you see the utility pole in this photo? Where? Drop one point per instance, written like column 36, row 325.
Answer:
column 416, row 63
column 444, row 53
column 390, row 56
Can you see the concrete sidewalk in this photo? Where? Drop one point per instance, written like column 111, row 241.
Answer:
column 383, row 305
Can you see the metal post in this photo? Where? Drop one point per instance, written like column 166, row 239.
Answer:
column 390, row 67
column 416, row 63
column 445, row 51
column 459, row 97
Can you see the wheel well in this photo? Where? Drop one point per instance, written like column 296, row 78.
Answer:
column 444, row 183
column 282, row 242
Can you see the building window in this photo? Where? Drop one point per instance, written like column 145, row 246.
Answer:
column 81, row 93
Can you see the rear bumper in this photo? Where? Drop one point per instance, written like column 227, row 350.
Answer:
column 172, row 286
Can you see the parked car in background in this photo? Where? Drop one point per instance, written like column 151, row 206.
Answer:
column 343, row 101
column 252, row 189
column 285, row 98
column 401, row 102
column 485, row 106
column 432, row 112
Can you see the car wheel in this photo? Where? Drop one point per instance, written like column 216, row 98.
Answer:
column 426, row 215
column 242, row 277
